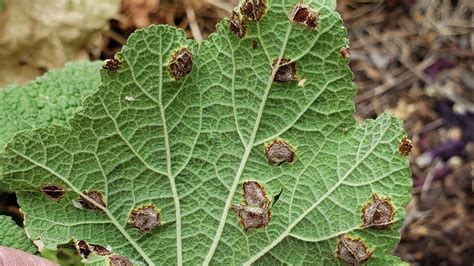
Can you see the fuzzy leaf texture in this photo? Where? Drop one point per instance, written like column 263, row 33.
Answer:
column 154, row 167
column 11, row 235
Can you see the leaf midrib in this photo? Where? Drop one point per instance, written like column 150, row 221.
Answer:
column 248, row 149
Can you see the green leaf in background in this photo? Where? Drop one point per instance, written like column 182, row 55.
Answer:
column 156, row 163
column 51, row 99
column 13, row 236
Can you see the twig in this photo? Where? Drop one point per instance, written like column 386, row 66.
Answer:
column 193, row 24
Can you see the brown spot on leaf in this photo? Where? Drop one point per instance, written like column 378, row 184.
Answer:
column 82, row 248
column 279, row 152
column 181, row 63
column 100, row 250
column 111, row 64
column 405, row 146
column 252, row 217
column 345, row 53
column 237, row 25
column 253, row 9
column 352, row 250
column 145, row 218
column 254, row 194
column 119, row 260
column 254, row 44
column 304, row 15
column 256, row 211
column 53, row 191
column 286, row 70
column 378, row 213
column 95, row 196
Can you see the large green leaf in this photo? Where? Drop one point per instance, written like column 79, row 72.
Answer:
column 186, row 147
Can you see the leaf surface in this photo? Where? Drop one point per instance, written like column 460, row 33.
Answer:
column 187, row 146
column 13, row 236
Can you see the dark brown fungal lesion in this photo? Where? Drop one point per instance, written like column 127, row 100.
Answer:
column 345, row 53
column 279, row 152
column 53, row 191
column 100, row 250
column 237, row 25
column 255, row 213
column 304, row 15
column 145, row 218
column 119, row 260
column 253, row 9
column 95, row 196
column 286, row 70
column 82, row 248
column 352, row 251
column 111, row 64
column 254, row 44
column 181, row 63
column 405, row 146
column 378, row 213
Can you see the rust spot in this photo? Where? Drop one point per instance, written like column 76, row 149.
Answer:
column 304, row 15
column 378, row 213
column 145, row 218
column 253, row 9
column 82, row 248
column 286, row 70
column 252, row 217
column 345, row 53
column 405, row 146
column 100, row 250
column 53, row 191
column 256, row 211
column 111, row 64
column 181, row 63
column 279, row 152
column 352, row 250
column 119, row 260
column 95, row 196
column 237, row 25
column 254, row 194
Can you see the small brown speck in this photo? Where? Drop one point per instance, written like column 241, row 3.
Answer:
column 111, row 64
column 405, row 147
column 254, row 194
column 53, row 191
column 252, row 217
column 304, row 15
column 352, row 250
column 100, row 250
column 119, row 260
column 82, row 248
column 181, row 63
column 237, row 25
column 279, row 152
column 253, row 9
column 286, row 71
column 378, row 213
column 145, row 218
column 95, row 196
column 345, row 53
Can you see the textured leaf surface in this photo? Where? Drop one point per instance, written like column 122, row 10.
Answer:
column 52, row 98
column 11, row 235
column 187, row 146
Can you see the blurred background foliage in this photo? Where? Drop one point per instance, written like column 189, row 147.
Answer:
column 413, row 58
